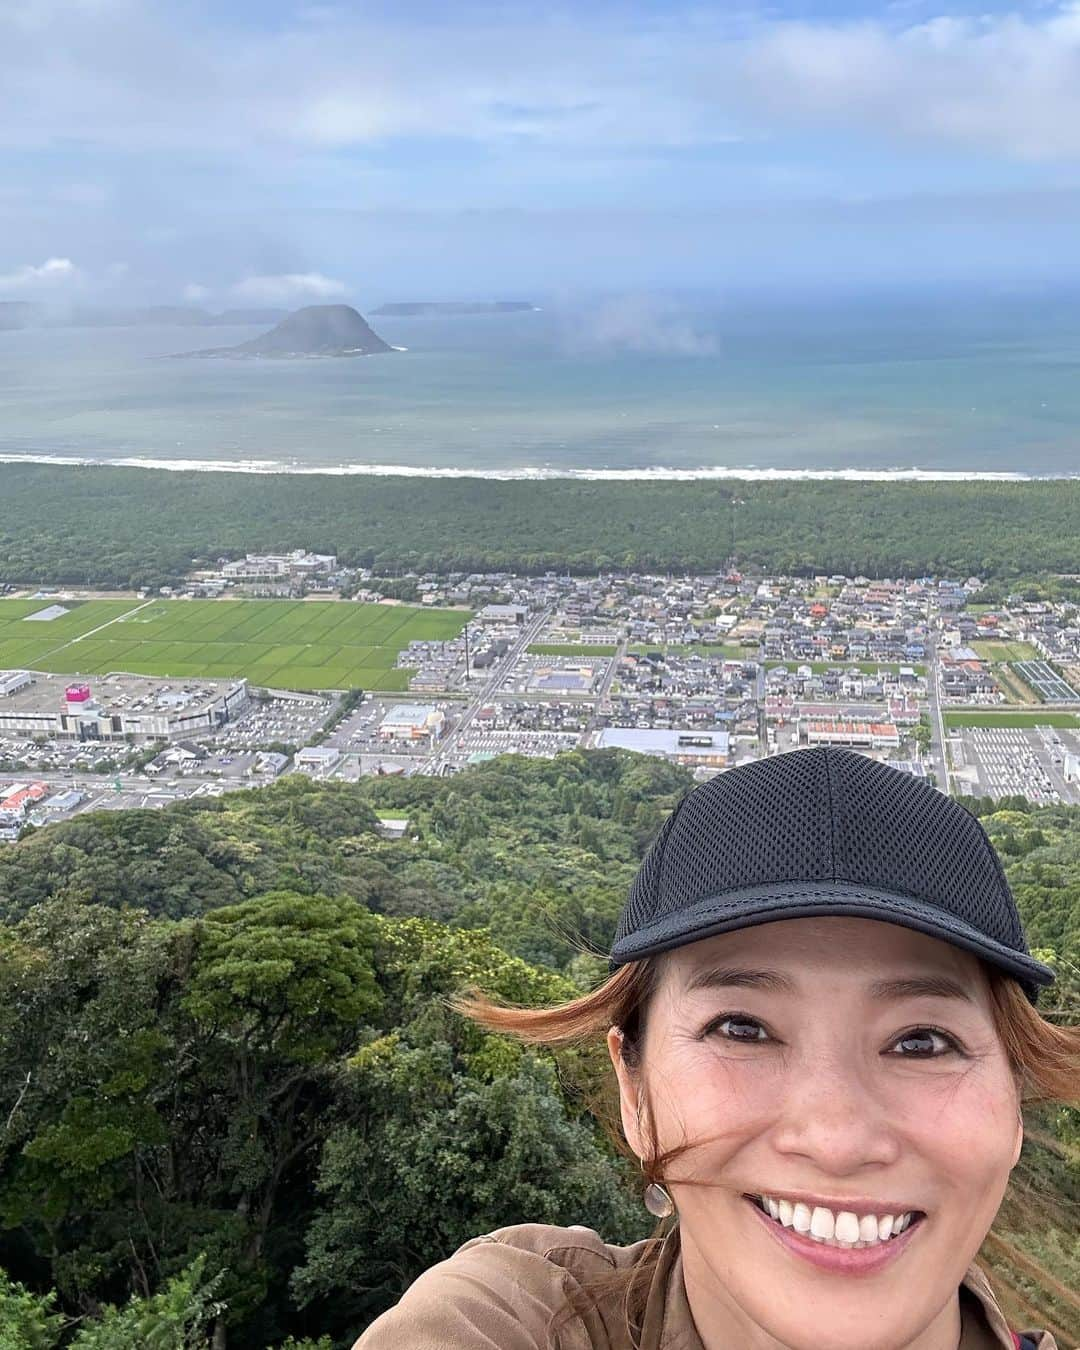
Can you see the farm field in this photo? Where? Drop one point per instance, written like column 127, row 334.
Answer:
column 292, row 644
column 1003, row 649
column 973, row 718
column 728, row 651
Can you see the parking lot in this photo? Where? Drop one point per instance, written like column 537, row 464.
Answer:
column 1010, row 761
column 278, row 721
column 358, row 734
column 538, row 744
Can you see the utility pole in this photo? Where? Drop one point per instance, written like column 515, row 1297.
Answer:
column 466, row 654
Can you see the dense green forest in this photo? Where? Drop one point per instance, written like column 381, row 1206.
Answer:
column 120, row 527
column 236, row 1110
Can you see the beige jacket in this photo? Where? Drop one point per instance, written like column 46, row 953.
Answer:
column 499, row 1292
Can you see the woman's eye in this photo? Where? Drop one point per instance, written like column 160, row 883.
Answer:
column 923, row 1043
column 740, row 1029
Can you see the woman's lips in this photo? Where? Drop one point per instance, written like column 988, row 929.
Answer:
column 838, row 1260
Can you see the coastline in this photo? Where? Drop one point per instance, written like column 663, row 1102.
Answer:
column 653, row 473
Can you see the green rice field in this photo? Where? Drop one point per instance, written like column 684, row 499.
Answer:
column 960, row 718
column 291, row 644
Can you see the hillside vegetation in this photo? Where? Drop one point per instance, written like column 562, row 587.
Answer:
column 235, row 1102
column 75, row 526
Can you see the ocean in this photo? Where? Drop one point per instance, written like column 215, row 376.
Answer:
column 641, row 386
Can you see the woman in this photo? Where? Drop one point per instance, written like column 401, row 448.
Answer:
column 822, row 1025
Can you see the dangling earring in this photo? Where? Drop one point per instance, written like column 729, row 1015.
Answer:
column 658, row 1202
column 657, row 1198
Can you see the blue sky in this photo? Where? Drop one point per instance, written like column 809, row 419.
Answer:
column 280, row 152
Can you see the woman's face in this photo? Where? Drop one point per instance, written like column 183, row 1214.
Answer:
column 844, row 1074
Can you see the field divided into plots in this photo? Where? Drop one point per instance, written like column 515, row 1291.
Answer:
column 291, row 644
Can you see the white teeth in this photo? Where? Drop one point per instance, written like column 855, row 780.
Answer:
column 822, row 1223
column 842, row 1229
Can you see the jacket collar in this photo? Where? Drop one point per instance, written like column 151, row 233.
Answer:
column 669, row 1324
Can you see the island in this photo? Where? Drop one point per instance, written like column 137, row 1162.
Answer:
column 316, row 330
column 412, row 309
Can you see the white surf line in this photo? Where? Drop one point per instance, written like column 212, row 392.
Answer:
column 654, row 473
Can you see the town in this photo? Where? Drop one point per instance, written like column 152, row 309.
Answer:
column 708, row 671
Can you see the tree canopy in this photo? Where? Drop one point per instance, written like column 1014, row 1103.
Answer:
column 87, row 525
column 238, row 1110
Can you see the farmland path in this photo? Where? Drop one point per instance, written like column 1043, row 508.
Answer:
column 44, row 656
column 118, row 618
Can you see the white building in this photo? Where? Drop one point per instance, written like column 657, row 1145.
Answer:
column 317, row 759
column 120, row 707
column 412, row 722
column 503, row 614
column 707, row 747
column 13, row 680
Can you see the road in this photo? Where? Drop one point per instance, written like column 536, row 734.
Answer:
column 530, row 632
column 609, row 678
column 938, row 750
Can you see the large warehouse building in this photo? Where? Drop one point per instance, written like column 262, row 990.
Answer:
column 702, row 748
column 412, row 722
column 115, row 707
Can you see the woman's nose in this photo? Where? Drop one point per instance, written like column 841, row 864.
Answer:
column 830, row 1114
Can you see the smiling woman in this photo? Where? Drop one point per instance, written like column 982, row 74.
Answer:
column 823, row 1030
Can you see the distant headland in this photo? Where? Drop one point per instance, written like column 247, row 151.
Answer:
column 19, row 314
column 411, row 309
column 317, row 330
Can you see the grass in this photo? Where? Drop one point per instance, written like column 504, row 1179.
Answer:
column 959, row 718
column 1014, row 685
column 729, row 651
column 1002, row 649
column 288, row 644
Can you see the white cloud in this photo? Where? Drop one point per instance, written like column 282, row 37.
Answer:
column 518, row 79
column 287, row 287
column 1007, row 84
column 638, row 323
column 195, row 292
column 45, row 276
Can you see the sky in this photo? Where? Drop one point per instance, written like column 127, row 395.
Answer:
column 260, row 152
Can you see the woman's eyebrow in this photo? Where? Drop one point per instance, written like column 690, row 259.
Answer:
column 739, row 977
column 906, row 986
column 920, row 986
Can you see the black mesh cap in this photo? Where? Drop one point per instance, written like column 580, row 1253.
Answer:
column 816, row 832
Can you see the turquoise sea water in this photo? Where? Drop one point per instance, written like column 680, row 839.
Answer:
column 965, row 384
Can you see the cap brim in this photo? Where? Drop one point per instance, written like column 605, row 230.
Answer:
column 816, row 899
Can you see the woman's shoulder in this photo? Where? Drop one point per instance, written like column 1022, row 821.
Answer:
column 977, row 1285
column 501, row 1289
column 574, row 1246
